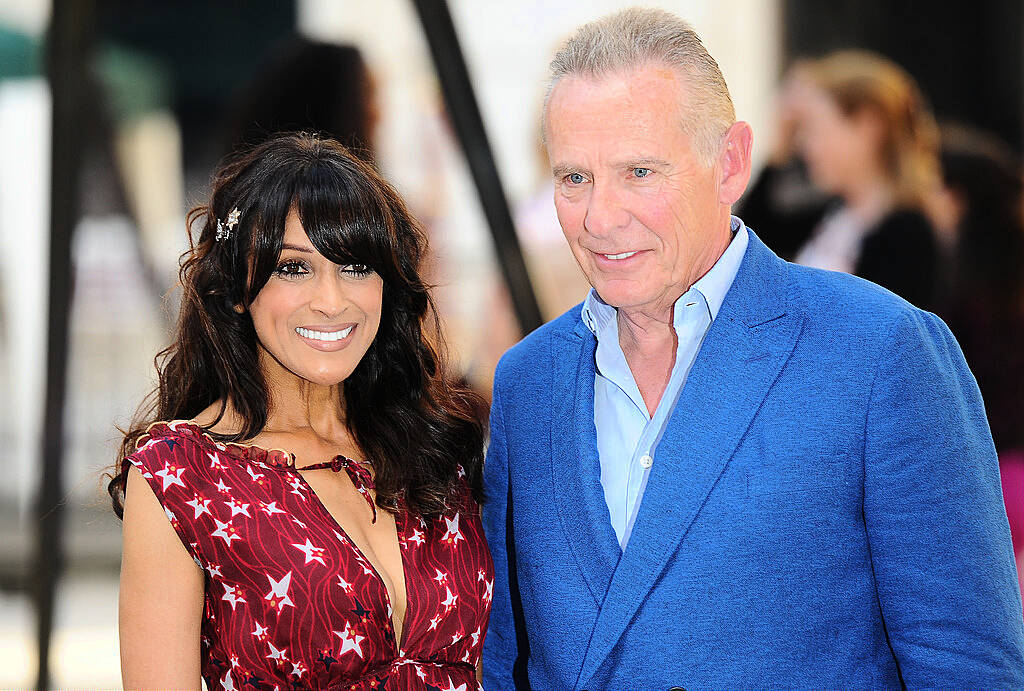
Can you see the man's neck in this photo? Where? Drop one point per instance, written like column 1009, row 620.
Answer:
column 649, row 344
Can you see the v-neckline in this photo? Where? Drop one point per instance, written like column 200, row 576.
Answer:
column 361, row 554
column 285, row 460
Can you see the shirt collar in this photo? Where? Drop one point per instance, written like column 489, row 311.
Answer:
column 713, row 286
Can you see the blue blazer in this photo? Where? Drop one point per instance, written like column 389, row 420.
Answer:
column 824, row 509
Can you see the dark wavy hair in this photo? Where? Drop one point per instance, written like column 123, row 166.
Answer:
column 412, row 422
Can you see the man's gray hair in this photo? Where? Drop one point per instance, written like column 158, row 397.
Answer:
column 637, row 37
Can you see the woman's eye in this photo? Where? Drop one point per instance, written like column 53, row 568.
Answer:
column 357, row 269
column 641, row 172
column 292, row 269
column 576, row 178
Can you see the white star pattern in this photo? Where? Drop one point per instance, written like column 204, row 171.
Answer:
column 481, row 575
column 260, row 631
column 233, row 595
column 449, row 601
column 297, row 522
column 349, row 641
column 256, row 477
column 237, row 507
column 234, row 661
column 278, row 655
column 453, row 535
column 171, row 475
column 278, row 595
column 270, row 509
column 171, row 517
column 227, row 683
column 417, row 536
column 456, row 637
column 214, row 571
column 200, row 505
column 453, row 687
column 441, row 577
column 312, row 553
column 345, row 585
column 489, row 592
column 298, row 669
column 475, row 636
column 226, row 531
column 420, row 673
column 215, row 461
column 467, row 658
column 297, row 488
column 435, row 621
column 221, row 487
column 460, row 470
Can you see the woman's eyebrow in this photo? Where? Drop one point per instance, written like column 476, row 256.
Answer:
column 296, row 248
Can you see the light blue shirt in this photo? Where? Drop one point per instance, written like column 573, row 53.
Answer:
column 627, row 436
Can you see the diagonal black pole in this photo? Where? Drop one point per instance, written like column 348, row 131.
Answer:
column 469, row 127
column 67, row 52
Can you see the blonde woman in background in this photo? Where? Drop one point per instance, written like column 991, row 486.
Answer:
column 869, row 139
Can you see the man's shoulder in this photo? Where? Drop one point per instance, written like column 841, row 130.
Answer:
column 535, row 348
column 847, row 301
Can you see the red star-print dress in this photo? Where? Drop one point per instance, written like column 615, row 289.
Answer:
column 290, row 601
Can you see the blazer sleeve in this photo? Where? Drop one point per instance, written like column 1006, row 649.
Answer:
column 937, row 527
column 500, row 645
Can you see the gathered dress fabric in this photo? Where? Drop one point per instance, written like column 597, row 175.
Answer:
column 290, row 600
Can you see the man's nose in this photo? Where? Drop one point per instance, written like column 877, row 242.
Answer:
column 605, row 210
column 329, row 295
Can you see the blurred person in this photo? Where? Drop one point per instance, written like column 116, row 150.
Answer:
column 782, row 203
column 982, row 189
column 869, row 139
column 310, row 86
column 258, row 549
column 722, row 470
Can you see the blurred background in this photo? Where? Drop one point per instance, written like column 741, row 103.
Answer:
column 898, row 161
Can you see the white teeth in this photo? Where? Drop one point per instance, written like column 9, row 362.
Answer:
column 323, row 335
column 622, row 255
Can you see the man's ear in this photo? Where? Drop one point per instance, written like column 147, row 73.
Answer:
column 734, row 163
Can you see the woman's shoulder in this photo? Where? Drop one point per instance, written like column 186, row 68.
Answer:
column 179, row 443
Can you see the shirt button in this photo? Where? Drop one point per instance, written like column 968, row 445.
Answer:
column 646, row 461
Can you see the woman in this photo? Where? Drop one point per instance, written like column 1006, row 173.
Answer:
column 300, row 502
column 868, row 138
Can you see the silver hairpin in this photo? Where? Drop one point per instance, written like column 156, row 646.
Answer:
column 225, row 229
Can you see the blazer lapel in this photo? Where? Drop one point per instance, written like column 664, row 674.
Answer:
column 575, row 468
column 741, row 357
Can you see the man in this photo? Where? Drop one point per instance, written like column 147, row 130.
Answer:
column 723, row 470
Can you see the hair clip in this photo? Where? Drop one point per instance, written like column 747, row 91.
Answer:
column 225, row 229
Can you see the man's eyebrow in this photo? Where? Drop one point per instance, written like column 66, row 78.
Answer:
column 560, row 171
column 645, row 161
column 296, row 248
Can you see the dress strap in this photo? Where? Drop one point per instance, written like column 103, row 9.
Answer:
column 357, row 473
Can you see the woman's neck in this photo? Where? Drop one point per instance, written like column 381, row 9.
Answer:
column 870, row 198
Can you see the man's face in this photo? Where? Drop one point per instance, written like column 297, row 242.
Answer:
column 639, row 208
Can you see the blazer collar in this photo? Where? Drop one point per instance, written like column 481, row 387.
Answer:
column 575, row 468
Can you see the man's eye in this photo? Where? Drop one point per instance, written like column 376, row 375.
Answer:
column 292, row 269
column 642, row 172
column 576, row 178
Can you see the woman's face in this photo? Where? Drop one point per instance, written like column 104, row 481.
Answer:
column 840, row 150
column 314, row 318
